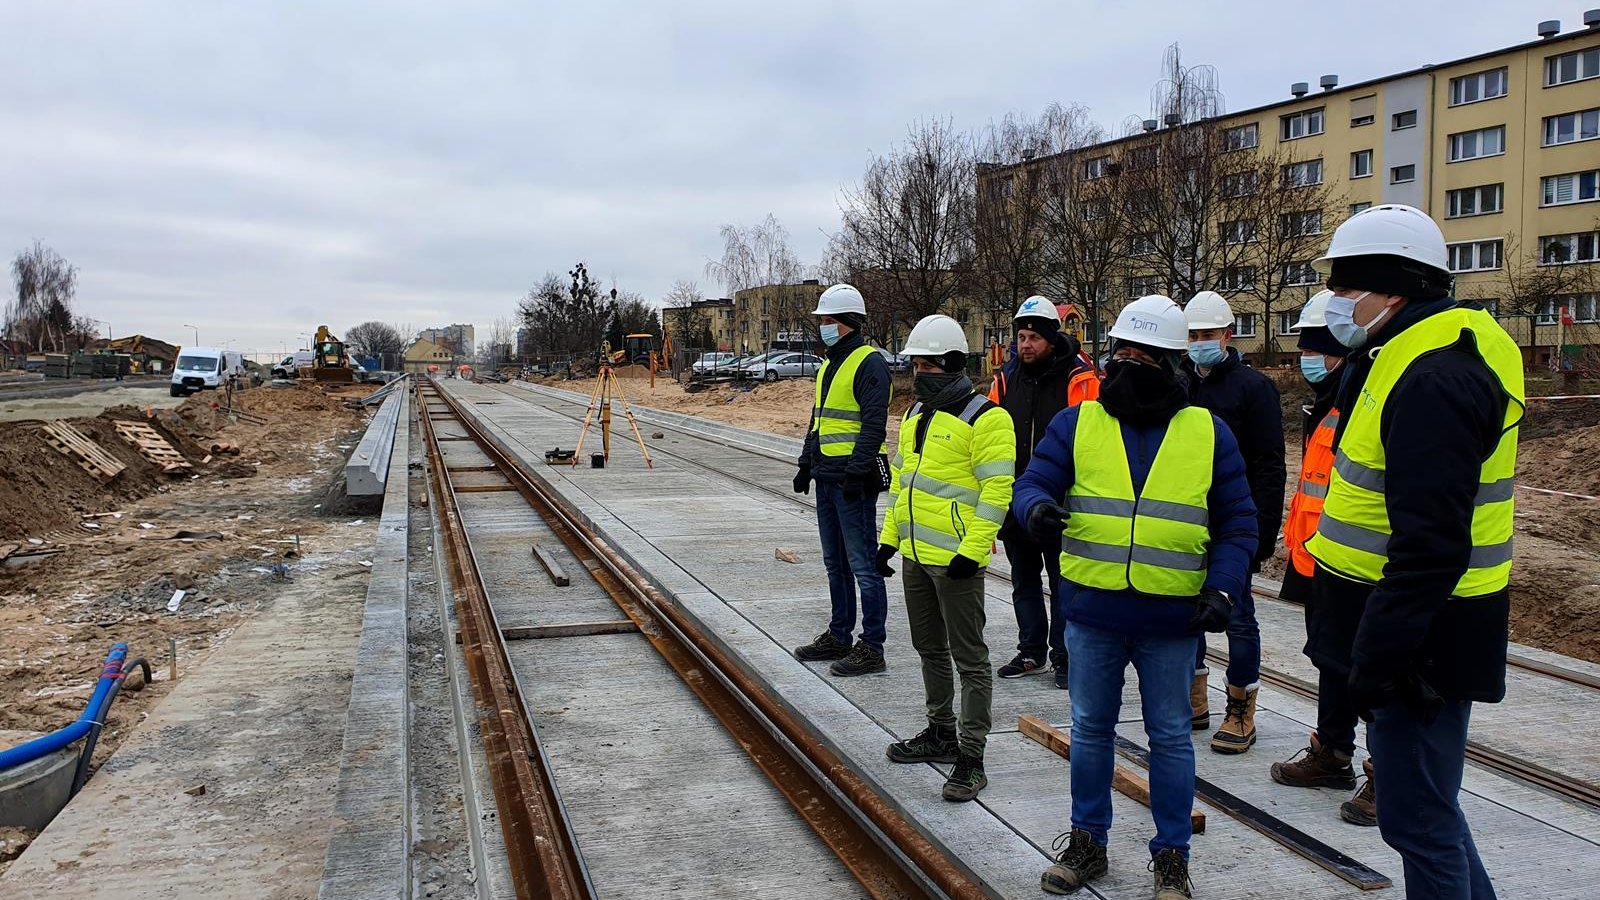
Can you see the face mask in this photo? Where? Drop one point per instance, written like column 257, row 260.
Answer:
column 1140, row 394
column 1314, row 368
column 1206, row 354
column 928, row 385
column 830, row 334
column 1341, row 320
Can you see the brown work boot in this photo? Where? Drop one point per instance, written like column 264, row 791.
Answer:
column 1238, row 730
column 1320, row 766
column 1362, row 809
column 1199, row 703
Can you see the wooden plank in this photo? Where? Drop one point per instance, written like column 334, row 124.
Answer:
column 484, row 488
column 152, row 446
column 576, row 629
column 489, row 468
column 557, row 574
column 1124, row 780
column 88, row 455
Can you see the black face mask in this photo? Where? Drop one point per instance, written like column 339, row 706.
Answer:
column 929, row 385
column 1141, row 394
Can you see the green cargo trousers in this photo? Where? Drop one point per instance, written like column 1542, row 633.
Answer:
column 947, row 624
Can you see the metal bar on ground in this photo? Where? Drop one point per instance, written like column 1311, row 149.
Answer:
column 1123, row 779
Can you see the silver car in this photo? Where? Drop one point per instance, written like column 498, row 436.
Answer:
column 781, row 364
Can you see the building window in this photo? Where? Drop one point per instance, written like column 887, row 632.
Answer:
column 1095, row 210
column 1403, row 120
column 1145, row 202
column 1491, row 305
column 1476, row 256
column 1546, row 314
column 1144, row 157
column 1242, row 137
column 1300, row 224
column 1574, row 187
column 1359, row 207
column 1475, row 201
column 1144, row 286
column 1475, row 144
column 1478, row 86
column 1297, row 274
column 1142, row 244
column 1099, row 167
column 1287, row 320
column 1363, row 110
column 1559, row 249
column 1402, row 174
column 1240, row 184
column 1569, row 67
column 1006, row 186
column 1361, row 164
column 1299, row 125
column 1302, row 174
column 961, row 315
column 1244, row 325
column 1583, row 307
column 1572, row 127
column 1237, row 278
column 1239, row 231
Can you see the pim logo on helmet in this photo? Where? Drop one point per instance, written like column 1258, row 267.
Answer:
column 1144, row 324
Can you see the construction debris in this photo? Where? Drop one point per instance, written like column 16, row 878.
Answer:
column 152, row 446
column 87, row 454
column 788, row 556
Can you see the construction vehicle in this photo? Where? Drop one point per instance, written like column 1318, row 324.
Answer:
column 329, row 363
column 636, row 350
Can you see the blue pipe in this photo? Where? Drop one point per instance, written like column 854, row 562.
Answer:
column 65, row 737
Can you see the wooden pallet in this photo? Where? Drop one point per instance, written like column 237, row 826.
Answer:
column 152, row 446
column 86, row 453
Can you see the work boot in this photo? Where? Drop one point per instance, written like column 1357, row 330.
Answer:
column 1061, row 675
column 1321, row 766
column 936, row 743
column 1199, row 703
column 863, row 660
column 1172, row 875
column 966, row 779
column 1238, row 729
column 1362, row 809
column 824, row 647
column 1082, row 862
column 1020, row 665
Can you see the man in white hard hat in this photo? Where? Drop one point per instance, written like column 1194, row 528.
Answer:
column 845, row 455
column 1413, row 547
column 951, row 478
column 1157, row 532
column 1046, row 376
column 1248, row 402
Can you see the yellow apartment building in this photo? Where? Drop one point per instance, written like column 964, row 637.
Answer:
column 772, row 312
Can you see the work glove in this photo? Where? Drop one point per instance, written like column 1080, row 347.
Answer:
column 1371, row 691
column 802, row 480
column 852, row 488
column 1212, row 608
column 961, row 568
column 886, row 552
column 1045, row 523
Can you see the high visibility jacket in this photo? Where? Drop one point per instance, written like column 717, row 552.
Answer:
column 1352, row 538
column 950, row 482
column 837, row 418
column 1306, row 505
column 1084, row 385
column 1153, row 540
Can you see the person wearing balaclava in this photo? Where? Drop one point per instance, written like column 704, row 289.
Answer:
column 1147, row 497
column 951, row 482
column 1410, row 595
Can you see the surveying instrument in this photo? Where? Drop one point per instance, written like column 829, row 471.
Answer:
column 607, row 387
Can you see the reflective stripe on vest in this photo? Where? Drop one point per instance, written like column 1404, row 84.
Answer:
column 1154, row 541
column 1352, row 537
column 837, row 418
column 1305, row 508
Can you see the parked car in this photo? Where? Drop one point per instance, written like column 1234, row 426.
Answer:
column 781, row 364
column 203, row 368
column 897, row 362
column 710, row 362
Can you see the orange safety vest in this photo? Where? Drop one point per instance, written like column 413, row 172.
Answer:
column 1306, row 506
column 1083, row 386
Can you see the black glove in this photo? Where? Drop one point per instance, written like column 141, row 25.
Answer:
column 961, row 568
column 851, row 486
column 802, row 480
column 1371, row 690
column 1045, row 523
column 886, row 552
column 1212, row 608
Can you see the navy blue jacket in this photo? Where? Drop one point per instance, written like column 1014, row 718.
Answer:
column 1233, row 526
column 872, row 395
column 1248, row 403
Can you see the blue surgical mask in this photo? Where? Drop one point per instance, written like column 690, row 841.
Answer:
column 1342, row 324
column 1314, row 368
column 1206, row 354
column 830, row 334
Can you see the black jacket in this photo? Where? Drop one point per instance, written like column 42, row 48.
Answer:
column 1441, row 421
column 1034, row 397
column 1248, row 403
column 872, row 395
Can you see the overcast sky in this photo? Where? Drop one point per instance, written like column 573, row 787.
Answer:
column 258, row 169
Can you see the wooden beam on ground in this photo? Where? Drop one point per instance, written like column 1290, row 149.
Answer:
column 1124, row 780
column 489, row 468
column 557, row 574
column 484, row 488
column 576, row 629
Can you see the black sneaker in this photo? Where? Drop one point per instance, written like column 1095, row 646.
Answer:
column 1172, row 875
column 936, row 743
column 824, row 647
column 965, row 780
column 1020, row 665
column 862, row 660
column 1061, row 675
column 1082, row 862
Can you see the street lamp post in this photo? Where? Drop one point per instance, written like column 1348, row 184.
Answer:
column 196, row 334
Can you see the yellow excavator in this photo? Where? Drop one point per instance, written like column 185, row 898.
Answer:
column 329, row 363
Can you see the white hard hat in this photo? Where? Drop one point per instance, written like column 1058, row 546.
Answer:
column 1207, row 309
column 1315, row 313
column 935, row 336
column 1038, row 307
column 841, row 298
column 1154, row 321
column 1392, row 229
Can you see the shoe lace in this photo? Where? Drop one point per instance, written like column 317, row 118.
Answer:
column 1078, row 847
column 1171, row 870
column 1235, row 709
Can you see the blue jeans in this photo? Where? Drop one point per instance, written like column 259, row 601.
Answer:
column 1099, row 659
column 1244, row 644
column 1418, row 812
column 849, row 531
column 1036, row 622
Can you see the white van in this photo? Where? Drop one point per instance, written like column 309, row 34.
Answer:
column 289, row 367
column 200, row 368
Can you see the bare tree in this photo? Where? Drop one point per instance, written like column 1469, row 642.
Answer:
column 46, row 285
column 754, row 256
column 1007, row 227
column 566, row 318
column 1536, row 280
column 500, row 347
column 379, row 339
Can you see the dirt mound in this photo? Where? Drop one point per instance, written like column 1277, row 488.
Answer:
column 1545, row 419
column 269, row 401
column 42, row 490
column 1564, row 461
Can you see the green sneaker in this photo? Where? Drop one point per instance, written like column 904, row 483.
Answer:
column 936, row 743
column 966, row 779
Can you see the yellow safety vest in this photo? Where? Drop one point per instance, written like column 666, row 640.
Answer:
column 1155, row 540
column 1352, row 537
column 838, row 421
column 951, row 495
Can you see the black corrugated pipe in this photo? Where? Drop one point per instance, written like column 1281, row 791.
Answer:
column 87, row 754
